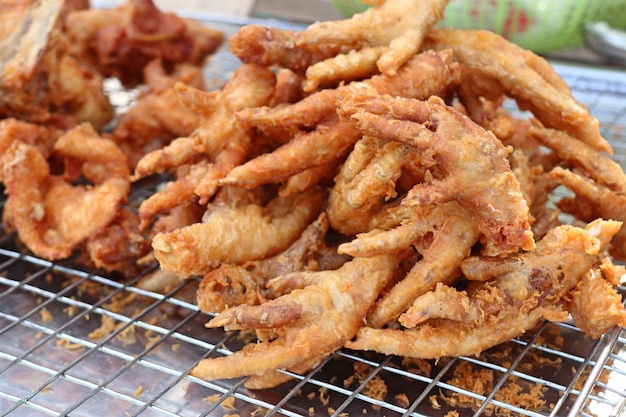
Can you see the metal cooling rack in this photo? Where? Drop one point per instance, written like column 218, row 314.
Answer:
column 82, row 343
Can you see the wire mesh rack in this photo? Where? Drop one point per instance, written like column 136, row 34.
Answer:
column 82, row 343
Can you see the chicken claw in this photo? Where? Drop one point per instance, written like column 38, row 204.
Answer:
column 523, row 75
column 311, row 322
column 468, row 164
column 519, row 290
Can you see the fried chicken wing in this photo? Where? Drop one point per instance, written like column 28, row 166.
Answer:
column 342, row 297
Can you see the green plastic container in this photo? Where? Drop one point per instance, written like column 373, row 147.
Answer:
column 538, row 25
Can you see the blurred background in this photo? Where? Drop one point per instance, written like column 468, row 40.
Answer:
column 579, row 30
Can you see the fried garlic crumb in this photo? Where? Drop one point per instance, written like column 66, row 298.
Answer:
column 107, row 327
column 138, row 391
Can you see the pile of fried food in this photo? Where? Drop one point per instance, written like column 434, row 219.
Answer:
column 357, row 184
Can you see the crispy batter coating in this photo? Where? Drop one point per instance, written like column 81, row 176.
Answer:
column 52, row 216
column 474, row 164
column 527, row 77
column 237, row 234
column 594, row 303
column 218, row 143
column 582, row 156
column 454, row 232
column 424, row 75
column 39, row 81
column 41, row 137
column 157, row 117
column 516, row 292
column 342, row 297
column 599, row 200
column 120, row 42
column 411, row 21
column 119, row 245
column 233, row 285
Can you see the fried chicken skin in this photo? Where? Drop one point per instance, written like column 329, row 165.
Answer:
column 157, row 117
column 39, row 81
column 51, row 215
column 120, row 42
column 512, row 295
column 342, row 297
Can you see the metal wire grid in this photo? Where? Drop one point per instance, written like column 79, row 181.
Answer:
column 81, row 343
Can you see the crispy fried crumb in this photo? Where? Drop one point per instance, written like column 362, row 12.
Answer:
column 324, row 398
column 311, row 411
column 175, row 347
column 257, row 411
column 402, row 399
column 518, row 393
column 70, row 310
column 64, row 343
column 211, row 398
column 434, row 403
column 107, row 327
column 138, row 391
column 46, row 316
column 452, row 413
column 228, row 403
column 417, row 366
